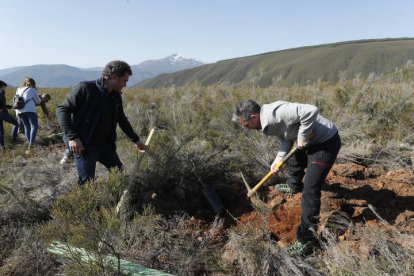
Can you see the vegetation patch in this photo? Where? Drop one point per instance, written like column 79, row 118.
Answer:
column 367, row 210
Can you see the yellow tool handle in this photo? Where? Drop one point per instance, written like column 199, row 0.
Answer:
column 150, row 136
column 133, row 173
column 260, row 184
column 287, row 156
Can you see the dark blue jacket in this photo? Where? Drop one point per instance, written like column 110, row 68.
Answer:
column 80, row 112
column 3, row 101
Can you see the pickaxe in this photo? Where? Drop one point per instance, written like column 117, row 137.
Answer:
column 280, row 164
column 120, row 204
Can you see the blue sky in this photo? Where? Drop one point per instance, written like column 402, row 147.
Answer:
column 89, row 33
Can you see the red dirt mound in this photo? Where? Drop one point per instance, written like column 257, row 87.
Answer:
column 366, row 195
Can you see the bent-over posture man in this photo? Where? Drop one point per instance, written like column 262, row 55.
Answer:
column 89, row 117
column 318, row 142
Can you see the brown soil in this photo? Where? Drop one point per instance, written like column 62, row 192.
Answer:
column 350, row 190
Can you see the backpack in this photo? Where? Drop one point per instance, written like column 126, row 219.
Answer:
column 18, row 101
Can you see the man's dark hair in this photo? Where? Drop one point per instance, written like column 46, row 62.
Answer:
column 2, row 83
column 246, row 108
column 46, row 96
column 117, row 67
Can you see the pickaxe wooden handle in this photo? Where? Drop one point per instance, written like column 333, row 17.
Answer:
column 280, row 164
column 134, row 171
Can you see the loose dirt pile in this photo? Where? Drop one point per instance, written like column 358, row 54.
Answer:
column 362, row 195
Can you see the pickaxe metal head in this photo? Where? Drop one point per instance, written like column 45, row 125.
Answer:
column 269, row 174
column 249, row 190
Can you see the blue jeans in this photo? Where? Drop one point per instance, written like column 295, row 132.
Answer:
column 86, row 163
column 4, row 116
column 31, row 125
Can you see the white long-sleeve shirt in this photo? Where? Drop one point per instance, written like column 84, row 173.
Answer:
column 290, row 121
column 31, row 98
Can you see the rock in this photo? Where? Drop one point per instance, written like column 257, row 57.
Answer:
column 282, row 244
column 278, row 200
column 231, row 253
column 376, row 170
column 401, row 219
column 380, row 184
column 409, row 214
column 364, row 249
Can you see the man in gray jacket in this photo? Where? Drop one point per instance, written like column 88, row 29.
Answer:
column 318, row 142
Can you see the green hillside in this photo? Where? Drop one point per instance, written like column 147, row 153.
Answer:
column 299, row 65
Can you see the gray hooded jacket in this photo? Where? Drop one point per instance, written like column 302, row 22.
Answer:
column 290, row 121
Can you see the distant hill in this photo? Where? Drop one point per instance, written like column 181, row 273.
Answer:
column 10, row 70
column 61, row 75
column 299, row 65
column 50, row 75
column 92, row 69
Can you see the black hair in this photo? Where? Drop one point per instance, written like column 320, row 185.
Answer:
column 117, row 67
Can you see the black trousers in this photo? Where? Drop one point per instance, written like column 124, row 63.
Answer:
column 318, row 161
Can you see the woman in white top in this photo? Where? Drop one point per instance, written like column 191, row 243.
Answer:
column 28, row 113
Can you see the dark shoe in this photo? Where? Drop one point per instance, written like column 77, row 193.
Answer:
column 301, row 249
column 285, row 188
column 18, row 142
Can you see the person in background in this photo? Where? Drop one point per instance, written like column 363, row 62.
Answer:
column 89, row 117
column 44, row 99
column 5, row 116
column 318, row 142
column 28, row 113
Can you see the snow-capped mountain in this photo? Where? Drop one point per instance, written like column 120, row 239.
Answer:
column 168, row 64
column 178, row 58
column 154, row 67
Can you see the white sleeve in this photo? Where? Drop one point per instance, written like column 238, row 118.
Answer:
column 35, row 96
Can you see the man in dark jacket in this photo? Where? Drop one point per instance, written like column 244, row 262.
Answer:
column 89, row 117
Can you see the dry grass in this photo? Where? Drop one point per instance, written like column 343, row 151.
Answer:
column 197, row 144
